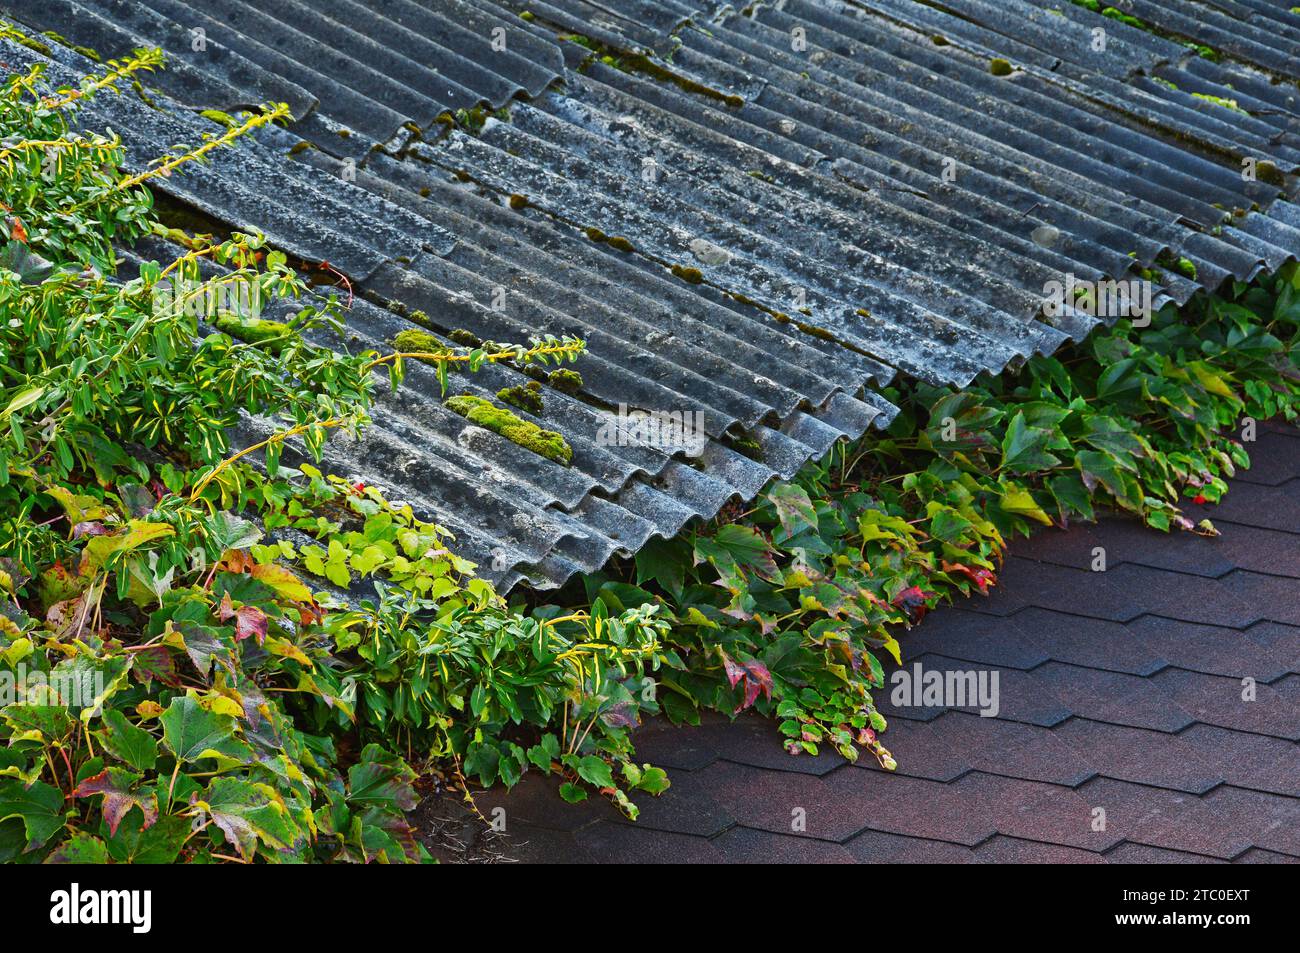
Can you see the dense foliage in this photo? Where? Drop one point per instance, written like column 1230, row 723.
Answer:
column 174, row 686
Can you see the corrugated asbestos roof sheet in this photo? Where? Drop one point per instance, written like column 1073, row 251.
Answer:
column 804, row 199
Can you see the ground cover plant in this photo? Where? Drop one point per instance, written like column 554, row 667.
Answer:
column 789, row 604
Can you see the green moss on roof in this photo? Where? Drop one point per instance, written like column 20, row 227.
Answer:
column 413, row 341
column 1000, row 67
column 484, row 413
column 524, row 396
column 22, row 39
column 746, row 447
column 688, row 274
column 1221, row 101
column 565, row 380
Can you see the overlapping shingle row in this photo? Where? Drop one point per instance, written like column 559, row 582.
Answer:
column 1124, row 690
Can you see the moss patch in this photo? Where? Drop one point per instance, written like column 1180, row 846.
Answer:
column 688, row 274
column 564, row 380
column 1000, row 67
column 422, row 342
column 23, row 39
column 524, row 396
column 484, row 413
column 746, row 447
column 1269, row 173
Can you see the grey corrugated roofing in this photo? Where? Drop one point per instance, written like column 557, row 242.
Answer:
column 354, row 75
column 783, row 179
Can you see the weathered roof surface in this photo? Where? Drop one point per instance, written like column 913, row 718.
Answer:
column 876, row 201
column 1120, row 690
column 355, row 75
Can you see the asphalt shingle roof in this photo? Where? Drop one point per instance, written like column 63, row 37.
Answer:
column 1120, row 690
column 876, row 202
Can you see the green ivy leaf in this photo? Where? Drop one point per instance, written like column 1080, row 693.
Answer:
column 80, row 848
column 247, row 812
column 572, row 792
column 1024, row 448
column 191, row 732
column 793, row 508
column 591, row 768
column 128, row 743
column 39, row 806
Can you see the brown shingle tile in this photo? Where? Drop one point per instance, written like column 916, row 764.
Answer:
column 1169, row 819
column 687, row 807
column 1124, row 539
column 1011, row 850
column 1269, row 821
column 743, row 845
column 1024, row 582
column 1214, row 650
column 1180, row 596
column 876, row 847
column 1130, row 853
column 973, row 637
column 1268, row 507
column 535, row 801
column 1268, row 551
column 1257, row 856
column 1218, row 701
column 1113, row 697
column 1245, row 760
column 1274, row 458
column 1032, row 811
column 843, row 803
column 1140, row 755
column 755, row 741
column 1020, row 696
column 1276, row 598
column 921, row 751
column 616, row 843
column 1283, row 640
column 1016, row 750
column 540, row 845
column 1092, row 643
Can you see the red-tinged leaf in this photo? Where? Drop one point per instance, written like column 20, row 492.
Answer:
column 69, row 616
column 155, row 663
column 88, row 528
column 621, row 715
column 249, row 620
column 236, row 561
column 759, row 674
column 983, row 578
column 754, row 676
column 734, row 672
column 16, row 230
column 282, row 581
column 116, row 784
column 913, row 602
